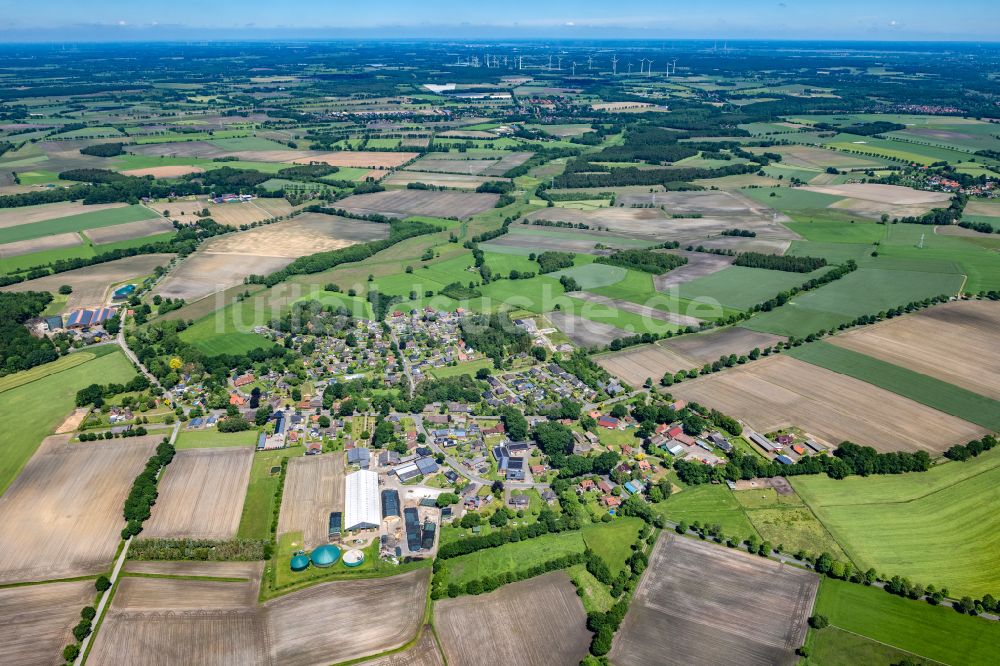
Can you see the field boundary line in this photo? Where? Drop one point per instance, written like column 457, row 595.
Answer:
column 894, row 647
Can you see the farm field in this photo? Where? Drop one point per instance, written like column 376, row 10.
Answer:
column 934, row 633
column 742, row 288
column 35, row 620
column 864, row 291
column 359, row 159
column 258, row 507
column 543, row 619
column 634, row 365
column 700, row 348
column 450, row 180
column 511, row 557
column 701, row 603
column 314, row 486
column 79, row 489
column 924, row 343
column 934, row 527
column 699, row 265
column 424, row 652
column 585, row 332
column 375, row 615
column 201, row 494
column 708, row 504
column 34, row 403
column 92, row 284
column 128, row 231
column 779, row 392
column 920, row 388
column 782, row 518
column 14, row 217
column 105, row 217
column 38, row 246
column 836, row 647
column 404, row 203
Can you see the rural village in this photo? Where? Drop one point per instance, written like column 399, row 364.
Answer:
column 415, row 354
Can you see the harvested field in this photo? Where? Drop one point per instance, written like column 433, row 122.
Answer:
column 237, row 214
column 542, row 621
column 128, row 231
column 926, row 343
column 634, row 365
column 703, row 604
column 699, row 265
column 92, row 283
column 174, row 171
column 814, row 157
column 12, row 217
column 167, row 638
column 203, row 273
column 703, row 348
column 635, row 308
column 314, row 487
column 506, row 163
column 404, row 203
column 58, row 241
column 201, row 494
column 303, row 235
column 224, row 625
column 35, row 620
column 469, row 167
column 360, row 158
column 718, row 211
column 885, row 194
column 583, row 332
column 62, row 515
column 138, row 593
column 779, row 392
column 372, row 616
column 208, row 150
column 249, row 570
column 424, row 653
column 403, row 178
column 274, row 207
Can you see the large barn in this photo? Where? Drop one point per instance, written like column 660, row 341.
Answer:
column 362, row 509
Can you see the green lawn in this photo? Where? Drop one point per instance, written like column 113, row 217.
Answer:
column 865, row 291
column 926, row 390
column 708, row 504
column 935, row 527
column 591, row 276
column 596, row 596
column 613, row 541
column 31, row 410
column 740, row 287
column 914, row 626
column 206, row 336
column 836, row 647
column 466, row 368
column 212, row 439
column 61, row 225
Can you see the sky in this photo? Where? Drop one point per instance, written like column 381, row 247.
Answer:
column 863, row 20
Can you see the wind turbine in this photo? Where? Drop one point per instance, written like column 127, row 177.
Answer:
column 590, row 63
column 614, row 65
column 630, row 69
column 559, row 63
column 550, row 62
column 649, row 70
column 574, row 68
column 675, row 66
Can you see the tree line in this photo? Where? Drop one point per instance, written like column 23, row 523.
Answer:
column 643, row 260
column 778, row 262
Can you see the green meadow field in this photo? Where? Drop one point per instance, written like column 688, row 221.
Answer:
column 35, row 402
column 61, row 225
column 932, row 632
column 934, row 527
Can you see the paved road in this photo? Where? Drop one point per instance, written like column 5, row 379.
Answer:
column 135, row 359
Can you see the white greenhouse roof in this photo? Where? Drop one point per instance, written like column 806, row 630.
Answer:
column 362, row 506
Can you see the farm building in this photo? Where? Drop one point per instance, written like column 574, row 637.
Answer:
column 54, row 323
column 390, row 503
column 336, row 524
column 412, row 522
column 359, row 456
column 362, row 507
column 85, row 318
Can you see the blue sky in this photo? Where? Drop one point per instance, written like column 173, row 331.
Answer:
column 61, row 20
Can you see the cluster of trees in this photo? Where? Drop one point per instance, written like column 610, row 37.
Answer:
column 548, row 523
column 461, row 292
column 307, row 171
column 862, row 129
column 972, row 449
column 142, row 496
column 96, row 393
column 104, row 149
column 744, row 233
column 592, row 175
column 849, row 459
column 496, row 187
column 514, row 424
column 495, row 335
column 460, row 388
column 643, row 260
column 647, row 144
column 558, row 223
column 981, row 227
column 778, row 262
column 550, row 262
column 21, row 350
column 240, row 550
column 940, row 216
